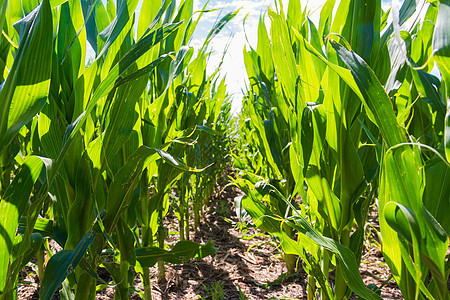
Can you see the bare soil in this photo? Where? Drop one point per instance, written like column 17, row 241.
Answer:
column 247, row 265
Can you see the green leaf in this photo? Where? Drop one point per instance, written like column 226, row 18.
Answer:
column 265, row 51
column 49, row 136
column 437, row 192
column 109, row 34
column 182, row 59
column 217, row 28
column 447, row 132
column 426, row 85
column 261, row 215
column 182, row 252
column 140, row 48
column 25, row 90
column 127, row 178
column 3, row 7
column 423, row 242
column 373, row 95
column 12, row 206
column 55, row 3
column 152, row 8
column 61, row 265
column 46, row 228
column 70, row 47
column 283, row 57
column 347, row 260
column 404, row 223
column 265, row 221
column 80, row 216
column 122, row 117
column 441, row 50
column 345, row 74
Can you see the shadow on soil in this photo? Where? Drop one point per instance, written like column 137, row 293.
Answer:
column 228, row 269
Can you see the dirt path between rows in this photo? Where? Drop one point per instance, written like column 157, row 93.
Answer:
column 245, row 262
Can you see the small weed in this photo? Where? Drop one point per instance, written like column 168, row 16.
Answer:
column 214, row 292
column 242, row 295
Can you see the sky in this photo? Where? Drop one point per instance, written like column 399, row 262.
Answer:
column 233, row 33
column 233, row 67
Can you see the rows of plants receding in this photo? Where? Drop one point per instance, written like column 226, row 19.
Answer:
column 343, row 116
column 339, row 117
column 93, row 155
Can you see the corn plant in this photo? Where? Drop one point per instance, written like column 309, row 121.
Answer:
column 187, row 107
column 99, row 127
column 311, row 120
column 211, row 147
column 23, row 93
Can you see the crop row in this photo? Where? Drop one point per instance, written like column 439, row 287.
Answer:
column 342, row 117
column 94, row 154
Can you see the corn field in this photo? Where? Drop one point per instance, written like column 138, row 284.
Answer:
column 341, row 118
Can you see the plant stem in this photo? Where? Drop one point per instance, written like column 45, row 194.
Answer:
column 325, row 266
column 341, row 288
column 85, row 288
column 147, row 285
column 161, row 240
column 181, row 196
column 146, row 235
column 40, row 264
column 290, row 259
column 311, row 288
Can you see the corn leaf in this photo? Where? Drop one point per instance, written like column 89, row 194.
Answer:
column 182, row 252
column 61, row 265
column 283, row 57
column 115, row 28
column 127, row 178
column 12, row 206
column 404, row 185
column 46, row 228
column 441, row 50
column 373, row 95
column 265, row 221
column 3, row 6
column 25, row 90
column 108, row 83
column 350, row 269
column 55, row 3
column 437, row 192
column 79, row 218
